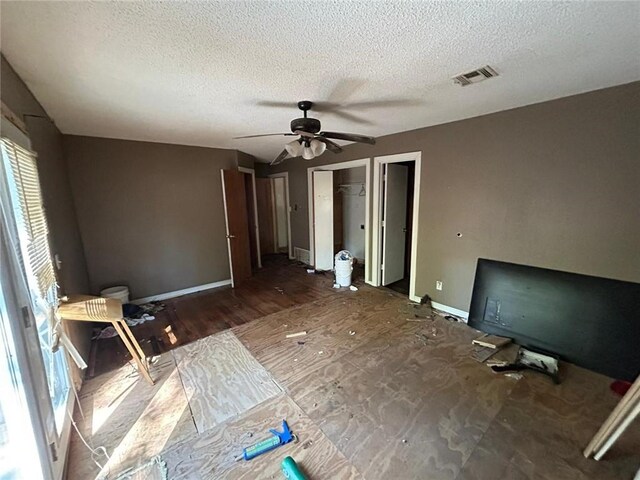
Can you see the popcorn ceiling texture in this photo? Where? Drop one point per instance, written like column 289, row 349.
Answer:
column 192, row 73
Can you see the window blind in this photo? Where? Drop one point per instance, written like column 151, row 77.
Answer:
column 30, row 217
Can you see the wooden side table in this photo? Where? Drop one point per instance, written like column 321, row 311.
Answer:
column 87, row 308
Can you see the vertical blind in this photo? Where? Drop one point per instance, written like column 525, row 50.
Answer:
column 30, row 216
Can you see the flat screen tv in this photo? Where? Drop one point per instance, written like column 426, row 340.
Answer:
column 590, row 321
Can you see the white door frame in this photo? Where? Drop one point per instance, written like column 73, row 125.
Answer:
column 363, row 162
column 376, row 254
column 252, row 172
column 285, row 175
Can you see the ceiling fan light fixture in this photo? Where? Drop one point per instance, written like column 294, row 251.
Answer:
column 317, row 147
column 294, row 148
column 307, row 153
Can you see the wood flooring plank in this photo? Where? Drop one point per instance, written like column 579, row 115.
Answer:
column 221, row 379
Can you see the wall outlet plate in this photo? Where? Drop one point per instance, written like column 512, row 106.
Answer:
column 438, row 285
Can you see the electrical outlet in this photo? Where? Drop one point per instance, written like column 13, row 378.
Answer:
column 438, row 285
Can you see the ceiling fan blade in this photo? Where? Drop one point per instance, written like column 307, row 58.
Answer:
column 280, row 158
column 350, row 117
column 390, row 102
column 349, row 137
column 263, row 135
column 331, row 146
column 302, row 133
column 267, row 103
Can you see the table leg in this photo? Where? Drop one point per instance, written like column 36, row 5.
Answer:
column 140, row 360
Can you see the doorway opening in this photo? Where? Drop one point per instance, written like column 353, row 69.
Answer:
column 339, row 213
column 395, row 221
column 274, row 215
column 399, row 261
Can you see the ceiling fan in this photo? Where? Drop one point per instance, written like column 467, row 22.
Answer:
column 311, row 142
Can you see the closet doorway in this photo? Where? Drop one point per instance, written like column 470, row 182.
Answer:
column 339, row 212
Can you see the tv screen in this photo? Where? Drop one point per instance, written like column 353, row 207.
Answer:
column 590, row 321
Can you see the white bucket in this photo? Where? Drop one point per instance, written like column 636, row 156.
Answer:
column 120, row 293
column 343, row 269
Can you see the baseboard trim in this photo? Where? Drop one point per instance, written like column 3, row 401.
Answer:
column 451, row 310
column 185, row 291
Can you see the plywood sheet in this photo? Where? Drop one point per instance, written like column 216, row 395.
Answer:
column 221, row 379
column 133, row 420
column 212, row 454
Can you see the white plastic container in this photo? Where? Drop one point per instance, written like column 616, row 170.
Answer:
column 120, row 293
column 343, row 267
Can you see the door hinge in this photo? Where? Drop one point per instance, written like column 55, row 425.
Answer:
column 54, row 451
column 382, row 267
column 382, row 224
column 26, row 318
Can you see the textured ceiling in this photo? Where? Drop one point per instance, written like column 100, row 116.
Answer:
column 193, row 73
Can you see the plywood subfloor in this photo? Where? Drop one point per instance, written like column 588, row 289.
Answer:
column 221, row 379
column 372, row 395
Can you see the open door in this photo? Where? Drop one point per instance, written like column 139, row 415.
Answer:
column 235, row 215
column 323, row 219
column 394, row 229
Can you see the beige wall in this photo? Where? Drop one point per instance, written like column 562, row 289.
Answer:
column 151, row 215
column 556, row 185
column 46, row 141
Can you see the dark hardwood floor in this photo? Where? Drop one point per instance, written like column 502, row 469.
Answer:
column 279, row 285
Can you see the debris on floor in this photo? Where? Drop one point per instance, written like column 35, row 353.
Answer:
column 276, row 440
column 353, row 288
column 107, row 332
column 423, row 338
column 491, row 341
column 155, row 469
column 301, row 343
column 335, row 285
column 515, row 376
column 279, row 290
column 136, row 314
column 482, row 354
column 352, row 332
column 311, row 270
column 297, row 334
column 528, row 359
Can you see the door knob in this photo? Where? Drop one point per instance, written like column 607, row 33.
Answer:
column 231, row 236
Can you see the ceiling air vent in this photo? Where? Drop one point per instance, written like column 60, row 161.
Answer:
column 475, row 76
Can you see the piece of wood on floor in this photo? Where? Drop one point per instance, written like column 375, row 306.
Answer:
column 213, row 453
column 222, row 379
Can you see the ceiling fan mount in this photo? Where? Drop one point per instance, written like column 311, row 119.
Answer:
column 305, row 124
column 311, row 142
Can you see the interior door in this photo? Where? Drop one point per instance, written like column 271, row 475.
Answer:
column 394, row 229
column 265, row 215
column 235, row 214
column 323, row 219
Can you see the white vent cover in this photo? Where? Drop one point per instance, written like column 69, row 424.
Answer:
column 475, row 76
column 301, row 255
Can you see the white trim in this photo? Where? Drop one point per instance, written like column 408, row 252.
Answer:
column 377, row 215
column 252, row 172
column 226, row 223
column 184, row 291
column 447, row 309
column 285, row 175
column 363, row 162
